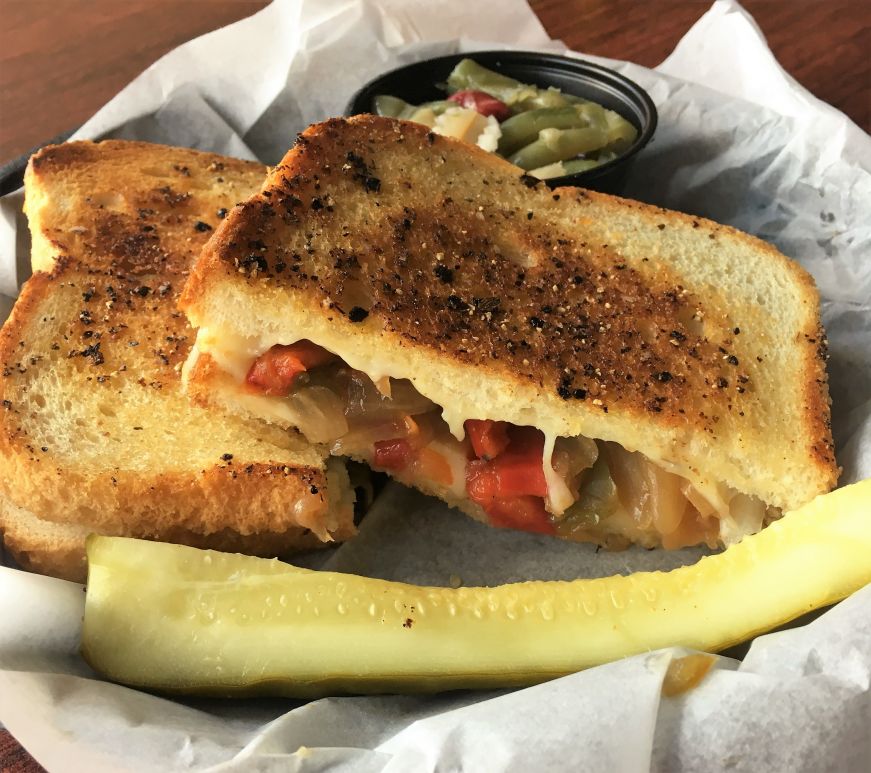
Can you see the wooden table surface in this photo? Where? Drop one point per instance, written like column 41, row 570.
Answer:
column 60, row 60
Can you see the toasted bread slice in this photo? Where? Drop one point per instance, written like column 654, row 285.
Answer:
column 95, row 432
column 413, row 256
column 49, row 547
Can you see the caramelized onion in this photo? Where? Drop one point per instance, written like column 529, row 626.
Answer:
column 591, row 480
column 321, row 415
column 432, row 465
column 308, row 512
column 365, row 398
column 667, row 502
column 385, row 386
column 407, row 399
column 455, row 455
column 570, row 457
column 366, row 432
column 627, row 469
column 699, row 502
column 573, row 455
column 748, row 513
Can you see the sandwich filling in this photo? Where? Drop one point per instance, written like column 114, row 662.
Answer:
column 576, row 488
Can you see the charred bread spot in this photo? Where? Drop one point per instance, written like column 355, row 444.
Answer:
column 362, row 172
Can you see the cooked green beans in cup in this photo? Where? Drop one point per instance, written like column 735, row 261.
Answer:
column 543, row 131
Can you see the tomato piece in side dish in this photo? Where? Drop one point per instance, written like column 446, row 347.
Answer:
column 482, row 102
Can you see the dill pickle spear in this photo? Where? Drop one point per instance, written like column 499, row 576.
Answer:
column 177, row 619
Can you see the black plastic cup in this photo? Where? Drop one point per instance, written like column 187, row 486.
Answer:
column 419, row 82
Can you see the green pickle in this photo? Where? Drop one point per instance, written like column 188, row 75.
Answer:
column 180, row 620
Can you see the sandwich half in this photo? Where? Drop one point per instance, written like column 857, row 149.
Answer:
column 96, row 434
column 558, row 361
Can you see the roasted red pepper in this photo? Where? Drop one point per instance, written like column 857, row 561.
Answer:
column 526, row 512
column 489, row 438
column 394, row 454
column 274, row 371
column 511, row 487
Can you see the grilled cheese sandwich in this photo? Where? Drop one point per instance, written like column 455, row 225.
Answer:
column 95, row 432
column 565, row 362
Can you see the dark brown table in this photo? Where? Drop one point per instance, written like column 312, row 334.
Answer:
column 60, row 60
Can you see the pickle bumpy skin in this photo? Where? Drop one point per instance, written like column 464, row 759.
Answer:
column 178, row 619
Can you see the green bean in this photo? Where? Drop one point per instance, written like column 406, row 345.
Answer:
column 547, row 126
column 393, row 107
column 575, row 165
column 468, row 74
column 574, row 100
column 439, row 106
column 594, row 115
column 523, row 128
column 620, row 132
column 572, row 166
column 558, row 145
column 543, row 98
column 549, row 171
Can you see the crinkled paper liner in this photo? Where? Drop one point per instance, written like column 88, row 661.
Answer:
column 738, row 141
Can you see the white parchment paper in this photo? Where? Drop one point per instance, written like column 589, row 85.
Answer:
column 738, row 141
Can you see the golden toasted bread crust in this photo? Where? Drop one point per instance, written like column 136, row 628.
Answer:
column 94, row 429
column 58, row 549
column 670, row 334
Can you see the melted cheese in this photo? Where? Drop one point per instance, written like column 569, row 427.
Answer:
column 235, row 354
column 559, row 498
